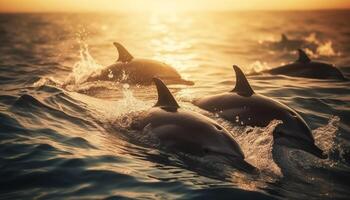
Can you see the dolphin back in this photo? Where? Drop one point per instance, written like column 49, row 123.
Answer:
column 124, row 55
column 303, row 58
column 165, row 98
column 242, row 87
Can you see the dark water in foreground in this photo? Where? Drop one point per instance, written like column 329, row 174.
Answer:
column 60, row 142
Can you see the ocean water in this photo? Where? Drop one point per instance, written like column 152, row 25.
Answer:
column 63, row 138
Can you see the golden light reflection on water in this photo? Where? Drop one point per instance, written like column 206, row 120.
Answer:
column 172, row 43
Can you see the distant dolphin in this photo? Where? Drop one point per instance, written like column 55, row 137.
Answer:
column 304, row 67
column 183, row 131
column 242, row 104
column 286, row 43
column 137, row 71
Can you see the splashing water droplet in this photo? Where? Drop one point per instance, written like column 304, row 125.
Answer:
column 124, row 76
column 110, row 74
column 126, row 86
column 84, row 68
column 237, row 118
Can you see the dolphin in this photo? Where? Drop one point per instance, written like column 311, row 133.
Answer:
column 243, row 105
column 286, row 43
column 137, row 70
column 183, row 131
column 306, row 68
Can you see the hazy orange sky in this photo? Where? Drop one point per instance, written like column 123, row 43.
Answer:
column 166, row 5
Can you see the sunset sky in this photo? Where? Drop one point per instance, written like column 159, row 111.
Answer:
column 166, row 5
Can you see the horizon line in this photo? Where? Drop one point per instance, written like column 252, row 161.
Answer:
column 179, row 11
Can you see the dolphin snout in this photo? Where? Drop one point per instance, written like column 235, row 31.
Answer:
column 243, row 165
column 301, row 144
column 314, row 150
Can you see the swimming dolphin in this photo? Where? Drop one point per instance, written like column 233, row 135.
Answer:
column 286, row 43
column 305, row 67
column 137, row 71
column 184, row 131
column 243, row 105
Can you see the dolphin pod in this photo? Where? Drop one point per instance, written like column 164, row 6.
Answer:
column 184, row 131
column 243, row 105
column 137, row 70
column 306, row 68
column 188, row 132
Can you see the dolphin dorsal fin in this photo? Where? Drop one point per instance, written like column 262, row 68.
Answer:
column 124, row 55
column 284, row 38
column 303, row 58
column 165, row 98
column 242, row 85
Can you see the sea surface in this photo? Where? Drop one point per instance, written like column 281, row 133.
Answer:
column 63, row 138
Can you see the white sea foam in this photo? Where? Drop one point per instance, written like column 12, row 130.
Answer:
column 323, row 48
column 258, row 66
column 47, row 81
column 326, row 49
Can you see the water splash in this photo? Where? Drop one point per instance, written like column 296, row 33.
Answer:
column 325, row 138
column 311, row 38
column 185, row 95
column 125, row 111
column 87, row 67
column 325, row 135
column 129, row 103
column 326, row 49
column 322, row 48
column 118, row 115
column 313, row 46
column 84, row 68
column 258, row 66
column 310, row 53
column 47, row 81
column 257, row 144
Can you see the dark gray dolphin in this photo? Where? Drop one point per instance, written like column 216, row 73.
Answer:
column 137, row 71
column 184, row 131
column 242, row 104
column 305, row 67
